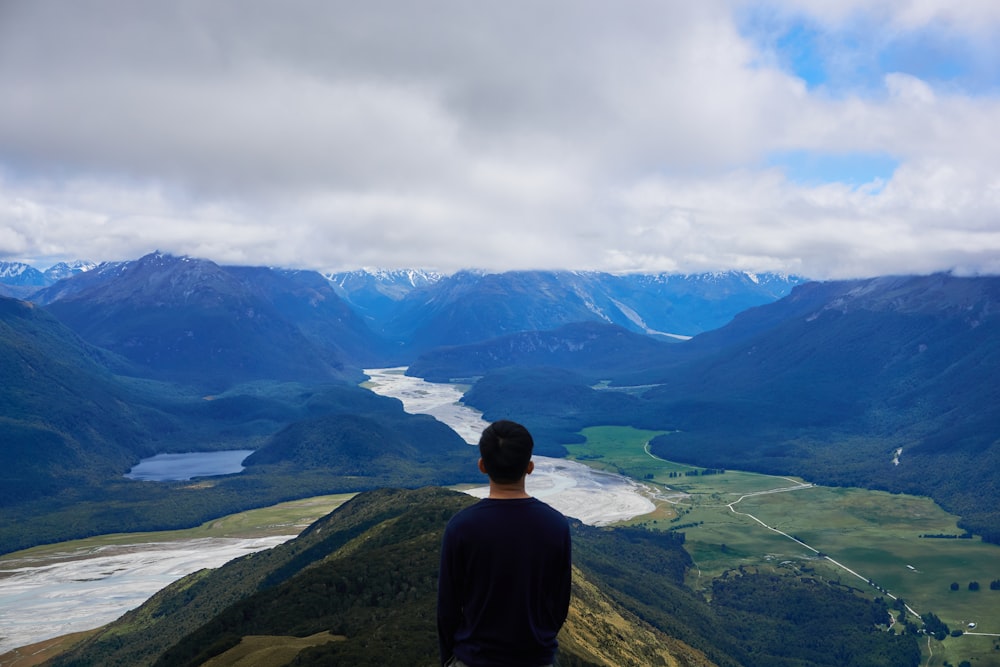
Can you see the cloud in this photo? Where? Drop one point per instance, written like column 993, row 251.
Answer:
column 448, row 134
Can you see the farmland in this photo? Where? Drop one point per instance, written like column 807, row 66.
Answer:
column 875, row 534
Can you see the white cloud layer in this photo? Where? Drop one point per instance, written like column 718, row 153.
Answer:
column 449, row 134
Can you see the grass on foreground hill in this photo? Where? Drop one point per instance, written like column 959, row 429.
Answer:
column 876, row 534
column 288, row 518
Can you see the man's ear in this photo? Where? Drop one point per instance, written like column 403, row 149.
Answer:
column 530, row 469
column 482, row 466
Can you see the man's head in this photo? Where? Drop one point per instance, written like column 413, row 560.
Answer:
column 505, row 448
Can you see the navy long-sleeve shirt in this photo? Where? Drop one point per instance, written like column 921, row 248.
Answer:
column 504, row 585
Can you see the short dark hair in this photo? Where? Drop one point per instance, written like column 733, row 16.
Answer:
column 505, row 448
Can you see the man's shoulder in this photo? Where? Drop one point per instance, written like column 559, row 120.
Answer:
column 530, row 505
column 543, row 507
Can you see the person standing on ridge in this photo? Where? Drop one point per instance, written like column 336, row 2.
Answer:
column 504, row 584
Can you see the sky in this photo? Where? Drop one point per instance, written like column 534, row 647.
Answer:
column 828, row 139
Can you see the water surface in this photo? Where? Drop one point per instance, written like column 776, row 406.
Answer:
column 179, row 467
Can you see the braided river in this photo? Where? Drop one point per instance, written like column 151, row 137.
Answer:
column 83, row 588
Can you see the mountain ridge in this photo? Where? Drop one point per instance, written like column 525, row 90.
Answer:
column 191, row 319
column 364, row 578
column 20, row 280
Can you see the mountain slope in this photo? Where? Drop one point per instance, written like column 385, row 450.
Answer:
column 62, row 270
column 469, row 307
column 65, row 421
column 21, row 280
column 18, row 280
column 589, row 348
column 21, row 274
column 191, row 320
column 359, row 587
column 831, row 381
column 370, row 444
column 375, row 294
column 311, row 303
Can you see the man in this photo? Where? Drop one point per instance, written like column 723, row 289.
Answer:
column 504, row 585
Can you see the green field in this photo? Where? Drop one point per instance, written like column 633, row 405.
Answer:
column 875, row 534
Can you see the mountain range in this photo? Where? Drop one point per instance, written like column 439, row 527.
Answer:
column 421, row 311
column 20, row 280
column 886, row 383
column 192, row 320
column 387, row 315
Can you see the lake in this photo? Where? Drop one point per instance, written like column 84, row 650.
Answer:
column 188, row 465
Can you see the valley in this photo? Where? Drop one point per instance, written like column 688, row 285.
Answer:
column 885, row 384
column 73, row 586
column 731, row 521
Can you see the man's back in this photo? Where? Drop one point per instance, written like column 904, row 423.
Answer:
column 505, row 583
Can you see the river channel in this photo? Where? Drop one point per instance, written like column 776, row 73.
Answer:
column 81, row 589
column 592, row 496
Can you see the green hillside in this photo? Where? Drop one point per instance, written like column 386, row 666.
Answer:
column 359, row 587
column 65, row 420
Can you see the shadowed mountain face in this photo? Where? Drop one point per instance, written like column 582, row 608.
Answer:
column 193, row 320
column 359, row 587
column 54, row 383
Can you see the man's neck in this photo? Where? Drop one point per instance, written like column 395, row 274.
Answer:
column 507, row 491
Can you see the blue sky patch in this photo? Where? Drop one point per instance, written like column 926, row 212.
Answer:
column 816, row 168
column 854, row 56
column 801, row 52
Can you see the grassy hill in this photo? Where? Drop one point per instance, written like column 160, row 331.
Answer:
column 359, row 587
